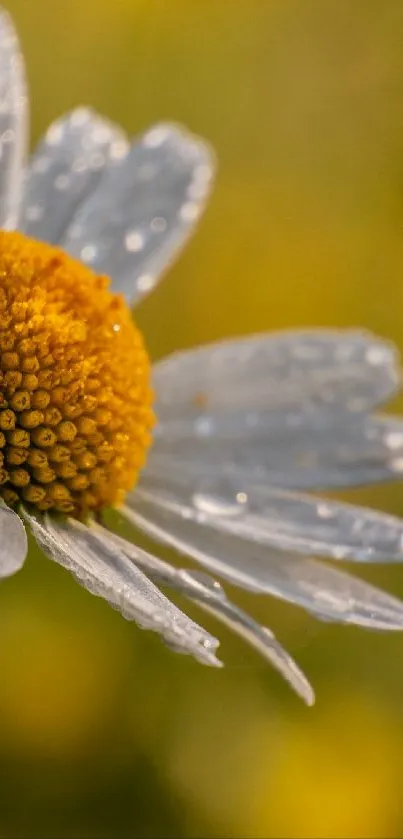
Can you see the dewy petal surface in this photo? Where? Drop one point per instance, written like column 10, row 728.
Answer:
column 144, row 209
column 210, row 596
column 291, row 452
column 65, row 169
column 323, row 590
column 280, row 519
column 111, row 575
column 13, row 542
column 298, row 372
column 13, row 122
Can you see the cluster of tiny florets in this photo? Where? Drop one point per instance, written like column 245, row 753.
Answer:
column 75, row 396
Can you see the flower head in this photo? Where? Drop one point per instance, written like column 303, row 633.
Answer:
column 242, row 425
column 75, row 414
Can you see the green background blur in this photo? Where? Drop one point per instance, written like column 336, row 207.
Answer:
column 104, row 732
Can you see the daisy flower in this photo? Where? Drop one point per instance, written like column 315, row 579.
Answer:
column 240, row 428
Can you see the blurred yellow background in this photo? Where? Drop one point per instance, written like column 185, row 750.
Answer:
column 104, row 732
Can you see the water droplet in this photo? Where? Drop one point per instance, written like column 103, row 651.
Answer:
column 145, row 283
column 156, row 136
column 54, row 134
column 134, row 241
column 158, row 224
column 209, row 644
column 197, row 191
column 394, row 440
column 190, row 211
column 324, row 511
column 101, row 134
column 225, row 503
column 340, row 552
column 396, row 465
column 8, row 136
column 205, row 581
column 119, row 149
column 377, row 356
column 79, row 165
column 79, row 117
column 88, row 253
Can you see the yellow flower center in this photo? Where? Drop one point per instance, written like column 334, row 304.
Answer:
column 75, row 396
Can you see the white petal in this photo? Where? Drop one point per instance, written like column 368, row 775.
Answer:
column 289, row 451
column 13, row 542
column 325, row 591
column 65, row 170
column 109, row 574
column 281, row 519
column 144, row 209
column 13, row 122
column 324, row 371
column 210, row 596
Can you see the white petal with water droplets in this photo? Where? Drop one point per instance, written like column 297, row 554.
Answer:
column 292, row 372
column 65, row 169
column 293, row 452
column 208, row 594
column 325, row 591
column 144, row 209
column 13, row 122
column 13, row 542
column 281, row 519
column 109, row 574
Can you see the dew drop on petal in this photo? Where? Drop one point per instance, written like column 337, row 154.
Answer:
column 189, row 211
column 158, row 224
column 394, row 440
column 227, row 504
column 146, row 282
column 88, row 253
column 134, row 241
